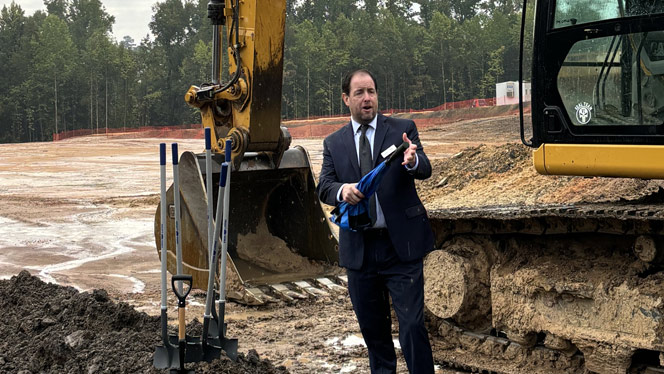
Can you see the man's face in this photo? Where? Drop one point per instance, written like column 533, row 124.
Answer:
column 362, row 99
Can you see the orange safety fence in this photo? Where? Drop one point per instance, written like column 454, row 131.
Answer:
column 451, row 105
column 192, row 131
column 312, row 127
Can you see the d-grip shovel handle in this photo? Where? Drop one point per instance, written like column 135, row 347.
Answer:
column 185, row 279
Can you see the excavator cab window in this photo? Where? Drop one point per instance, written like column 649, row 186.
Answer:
column 598, row 72
column 577, row 12
column 600, row 87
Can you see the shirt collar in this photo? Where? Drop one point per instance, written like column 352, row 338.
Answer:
column 356, row 126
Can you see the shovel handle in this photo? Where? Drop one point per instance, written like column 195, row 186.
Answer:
column 228, row 150
column 399, row 151
column 174, row 153
column 208, row 139
column 182, row 323
column 185, row 279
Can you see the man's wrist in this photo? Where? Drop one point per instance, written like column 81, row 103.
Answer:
column 339, row 193
column 411, row 168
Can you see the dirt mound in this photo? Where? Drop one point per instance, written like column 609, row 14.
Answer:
column 490, row 175
column 454, row 115
column 53, row 329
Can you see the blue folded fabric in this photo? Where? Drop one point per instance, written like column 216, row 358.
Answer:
column 356, row 217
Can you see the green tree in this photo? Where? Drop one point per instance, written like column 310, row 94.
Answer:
column 197, row 67
column 306, row 52
column 441, row 32
column 175, row 37
column 53, row 62
column 57, row 8
column 12, row 38
column 87, row 17
column 101, row 63
column 495, row 71
column 61, row 69
column 463, row 10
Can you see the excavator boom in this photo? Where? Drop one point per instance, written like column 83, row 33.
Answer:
column 278, row 231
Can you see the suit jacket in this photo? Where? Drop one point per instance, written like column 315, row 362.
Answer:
column 405, row 216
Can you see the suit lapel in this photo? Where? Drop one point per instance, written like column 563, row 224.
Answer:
column 349, row 143
column 379, row 137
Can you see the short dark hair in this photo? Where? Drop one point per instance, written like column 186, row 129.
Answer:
column 345, row 85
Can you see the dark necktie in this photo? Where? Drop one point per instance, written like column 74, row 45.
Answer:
column 366, row 164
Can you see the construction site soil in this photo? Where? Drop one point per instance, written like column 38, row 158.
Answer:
column 78, row 214
column 54, row 329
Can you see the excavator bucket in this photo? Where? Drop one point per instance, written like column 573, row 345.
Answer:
column 278, row 232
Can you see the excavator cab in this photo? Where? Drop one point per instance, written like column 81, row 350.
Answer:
column 277, row 230
column 598, row 88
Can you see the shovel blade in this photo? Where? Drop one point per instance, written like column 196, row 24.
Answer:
column 230, row 347
column 166, row 357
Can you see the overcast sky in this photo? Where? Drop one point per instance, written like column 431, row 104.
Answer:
column 131, row 16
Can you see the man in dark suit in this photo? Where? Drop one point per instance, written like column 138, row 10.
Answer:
column 384, row 259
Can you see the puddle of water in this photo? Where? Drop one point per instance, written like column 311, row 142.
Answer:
column 88, row 237
column 195, row 303
column 75, row 237
column 152, row 271
column 326, row 365
column 331, row 341
column 353, row 341
column 138, row 287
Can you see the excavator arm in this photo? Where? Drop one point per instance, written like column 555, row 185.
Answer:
column 246, row 109
column 278, row 232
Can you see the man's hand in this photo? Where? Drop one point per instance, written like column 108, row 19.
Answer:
column 409, row 154
column 350, row 194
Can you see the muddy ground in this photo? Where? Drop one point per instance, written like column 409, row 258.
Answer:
column 56, row 329
column 79, row 213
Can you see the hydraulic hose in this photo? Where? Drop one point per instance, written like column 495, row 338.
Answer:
column 235, row 28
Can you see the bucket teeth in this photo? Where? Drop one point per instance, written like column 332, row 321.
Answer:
column 343, row 279
column 310, row 289
column 330, row 285
column 286, row 293
column 254, row 296
column 290, row 291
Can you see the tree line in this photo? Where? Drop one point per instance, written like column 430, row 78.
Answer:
column 61, row 69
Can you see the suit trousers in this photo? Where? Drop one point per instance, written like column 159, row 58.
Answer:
column 383, row 275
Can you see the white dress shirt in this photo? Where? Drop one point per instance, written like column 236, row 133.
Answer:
column 371, row 131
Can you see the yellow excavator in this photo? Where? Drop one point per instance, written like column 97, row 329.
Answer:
column 567, row 288
column 277, row 231
column 558, row 289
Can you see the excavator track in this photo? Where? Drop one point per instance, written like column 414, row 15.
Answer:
column 473, row 352
column 469, row 352
column 555, row 289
